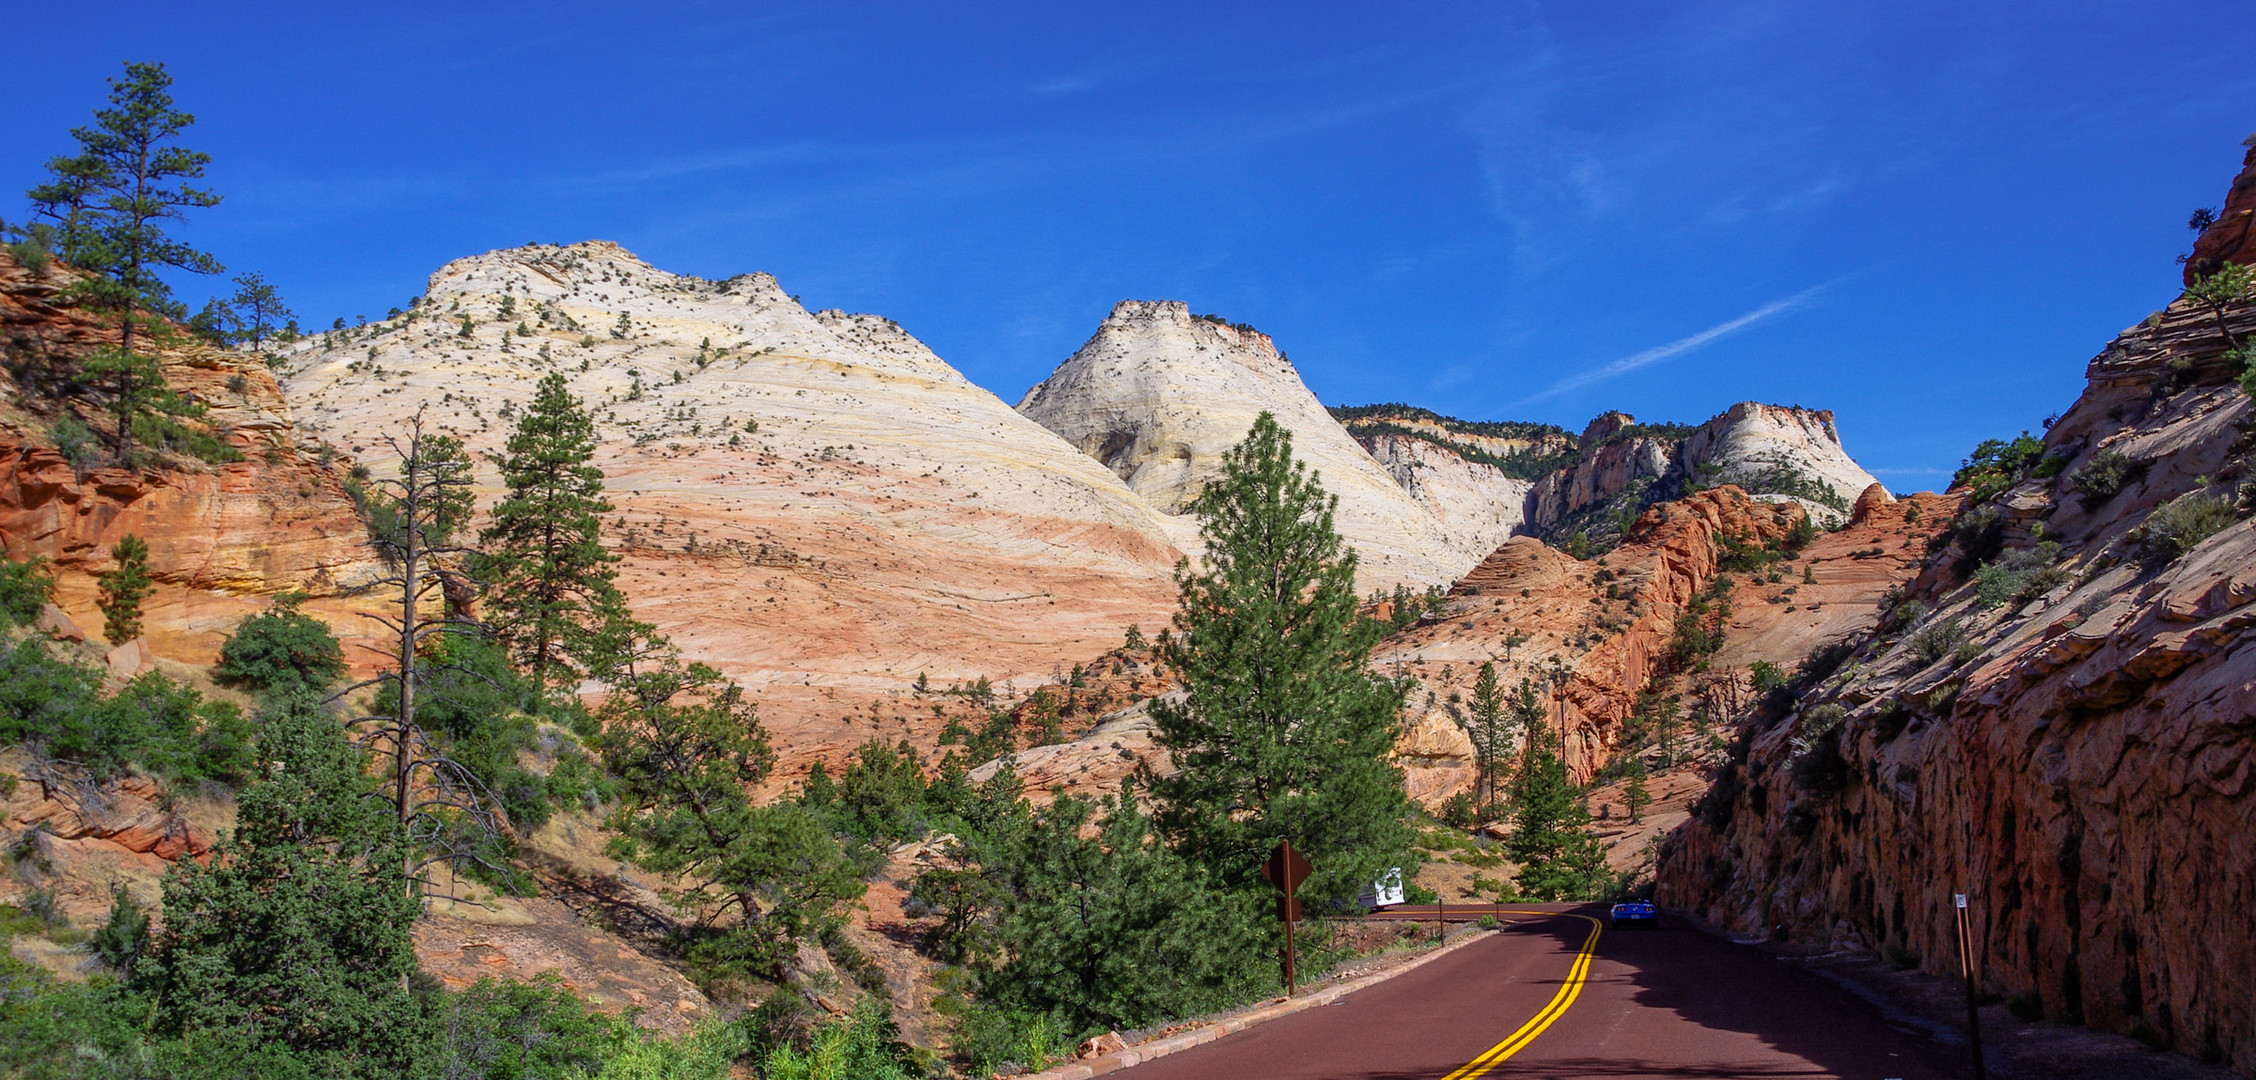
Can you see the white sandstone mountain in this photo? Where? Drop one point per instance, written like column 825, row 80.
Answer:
column 1157, row 395
column 822, row 508
column 812, row 502
column 1778, row 451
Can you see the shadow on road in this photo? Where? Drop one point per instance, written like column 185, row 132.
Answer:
column 1723, row 987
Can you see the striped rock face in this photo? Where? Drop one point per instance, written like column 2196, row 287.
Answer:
column 812, row 502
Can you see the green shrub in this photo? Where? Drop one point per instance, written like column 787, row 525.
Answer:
column 56, row 707
column 993, row 1039
column 1996, row 465
column 194, row 440
column 281, row 650
column 74, row 440
column 1821, row 770
column 1979, row 533
column 2107, row 473
column 858, row 1046
column 24, row 589
column 1937, row 640
column 2175, row 527
column 2019, row 576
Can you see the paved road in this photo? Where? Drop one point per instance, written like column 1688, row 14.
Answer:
column 1550, row 999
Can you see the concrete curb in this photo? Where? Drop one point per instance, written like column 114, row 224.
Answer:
column 1104, row 1064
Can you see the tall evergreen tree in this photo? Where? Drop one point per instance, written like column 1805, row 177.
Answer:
column 123, row 588
column 294, row 940
column 138, row 175
column 548, row 579
column 1558, row 859
column 1284, row 732
column 259, row 311
column 1491, row 731
column 1528, row 712
column 1635, row 795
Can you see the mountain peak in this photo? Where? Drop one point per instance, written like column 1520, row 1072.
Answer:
column 1157, row 395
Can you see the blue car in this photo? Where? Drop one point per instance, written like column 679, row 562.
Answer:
column 1636, row 914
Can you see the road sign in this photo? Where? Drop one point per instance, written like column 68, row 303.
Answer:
column 1287, row 870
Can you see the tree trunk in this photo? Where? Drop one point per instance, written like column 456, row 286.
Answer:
column 410, row 560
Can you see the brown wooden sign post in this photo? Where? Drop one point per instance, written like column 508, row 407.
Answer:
column 1287, row 870
column 1966, row 971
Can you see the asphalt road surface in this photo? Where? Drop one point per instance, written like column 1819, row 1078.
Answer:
column 1558, row 996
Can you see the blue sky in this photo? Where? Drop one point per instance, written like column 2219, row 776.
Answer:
column 1925, row 216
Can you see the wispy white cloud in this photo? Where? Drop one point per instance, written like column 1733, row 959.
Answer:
column 1680, row 346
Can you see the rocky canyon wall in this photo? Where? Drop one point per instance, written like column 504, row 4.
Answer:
column 2067, row 737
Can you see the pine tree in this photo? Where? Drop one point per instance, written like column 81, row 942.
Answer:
column 123, row 589
column 294, row 938
column 136, row 171
column 1284, row 733
column 1635, row 795
column 1557, row 859
column 259, row 311
column 1528, row 712
column 548, row 579
column 687, row 748
column 413, row 520
column 1491, row 732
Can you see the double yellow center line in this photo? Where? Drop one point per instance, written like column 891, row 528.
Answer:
column 1568, row 991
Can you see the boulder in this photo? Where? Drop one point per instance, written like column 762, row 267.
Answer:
column 57, row 624
column 131, row 659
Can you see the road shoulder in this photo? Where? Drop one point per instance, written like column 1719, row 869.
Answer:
column 2013, row 1048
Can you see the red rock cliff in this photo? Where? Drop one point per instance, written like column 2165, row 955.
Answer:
column 2076, row 753
column 221, row 537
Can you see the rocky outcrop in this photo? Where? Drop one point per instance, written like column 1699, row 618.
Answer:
column 1157, row 396
column 1477, row 504
column 2065, row 739
column 812, row 502
column 221, row 537
column 1773, row 452
column 1611, row 473
column 1593, row 635
column 2228, row 239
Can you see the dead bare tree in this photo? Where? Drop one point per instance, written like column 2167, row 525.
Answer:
column 413, row 518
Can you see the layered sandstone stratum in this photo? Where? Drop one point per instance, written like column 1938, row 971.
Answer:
column 812, row 502
column 222, row 537
column 1158, row 395
column 824, row 509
